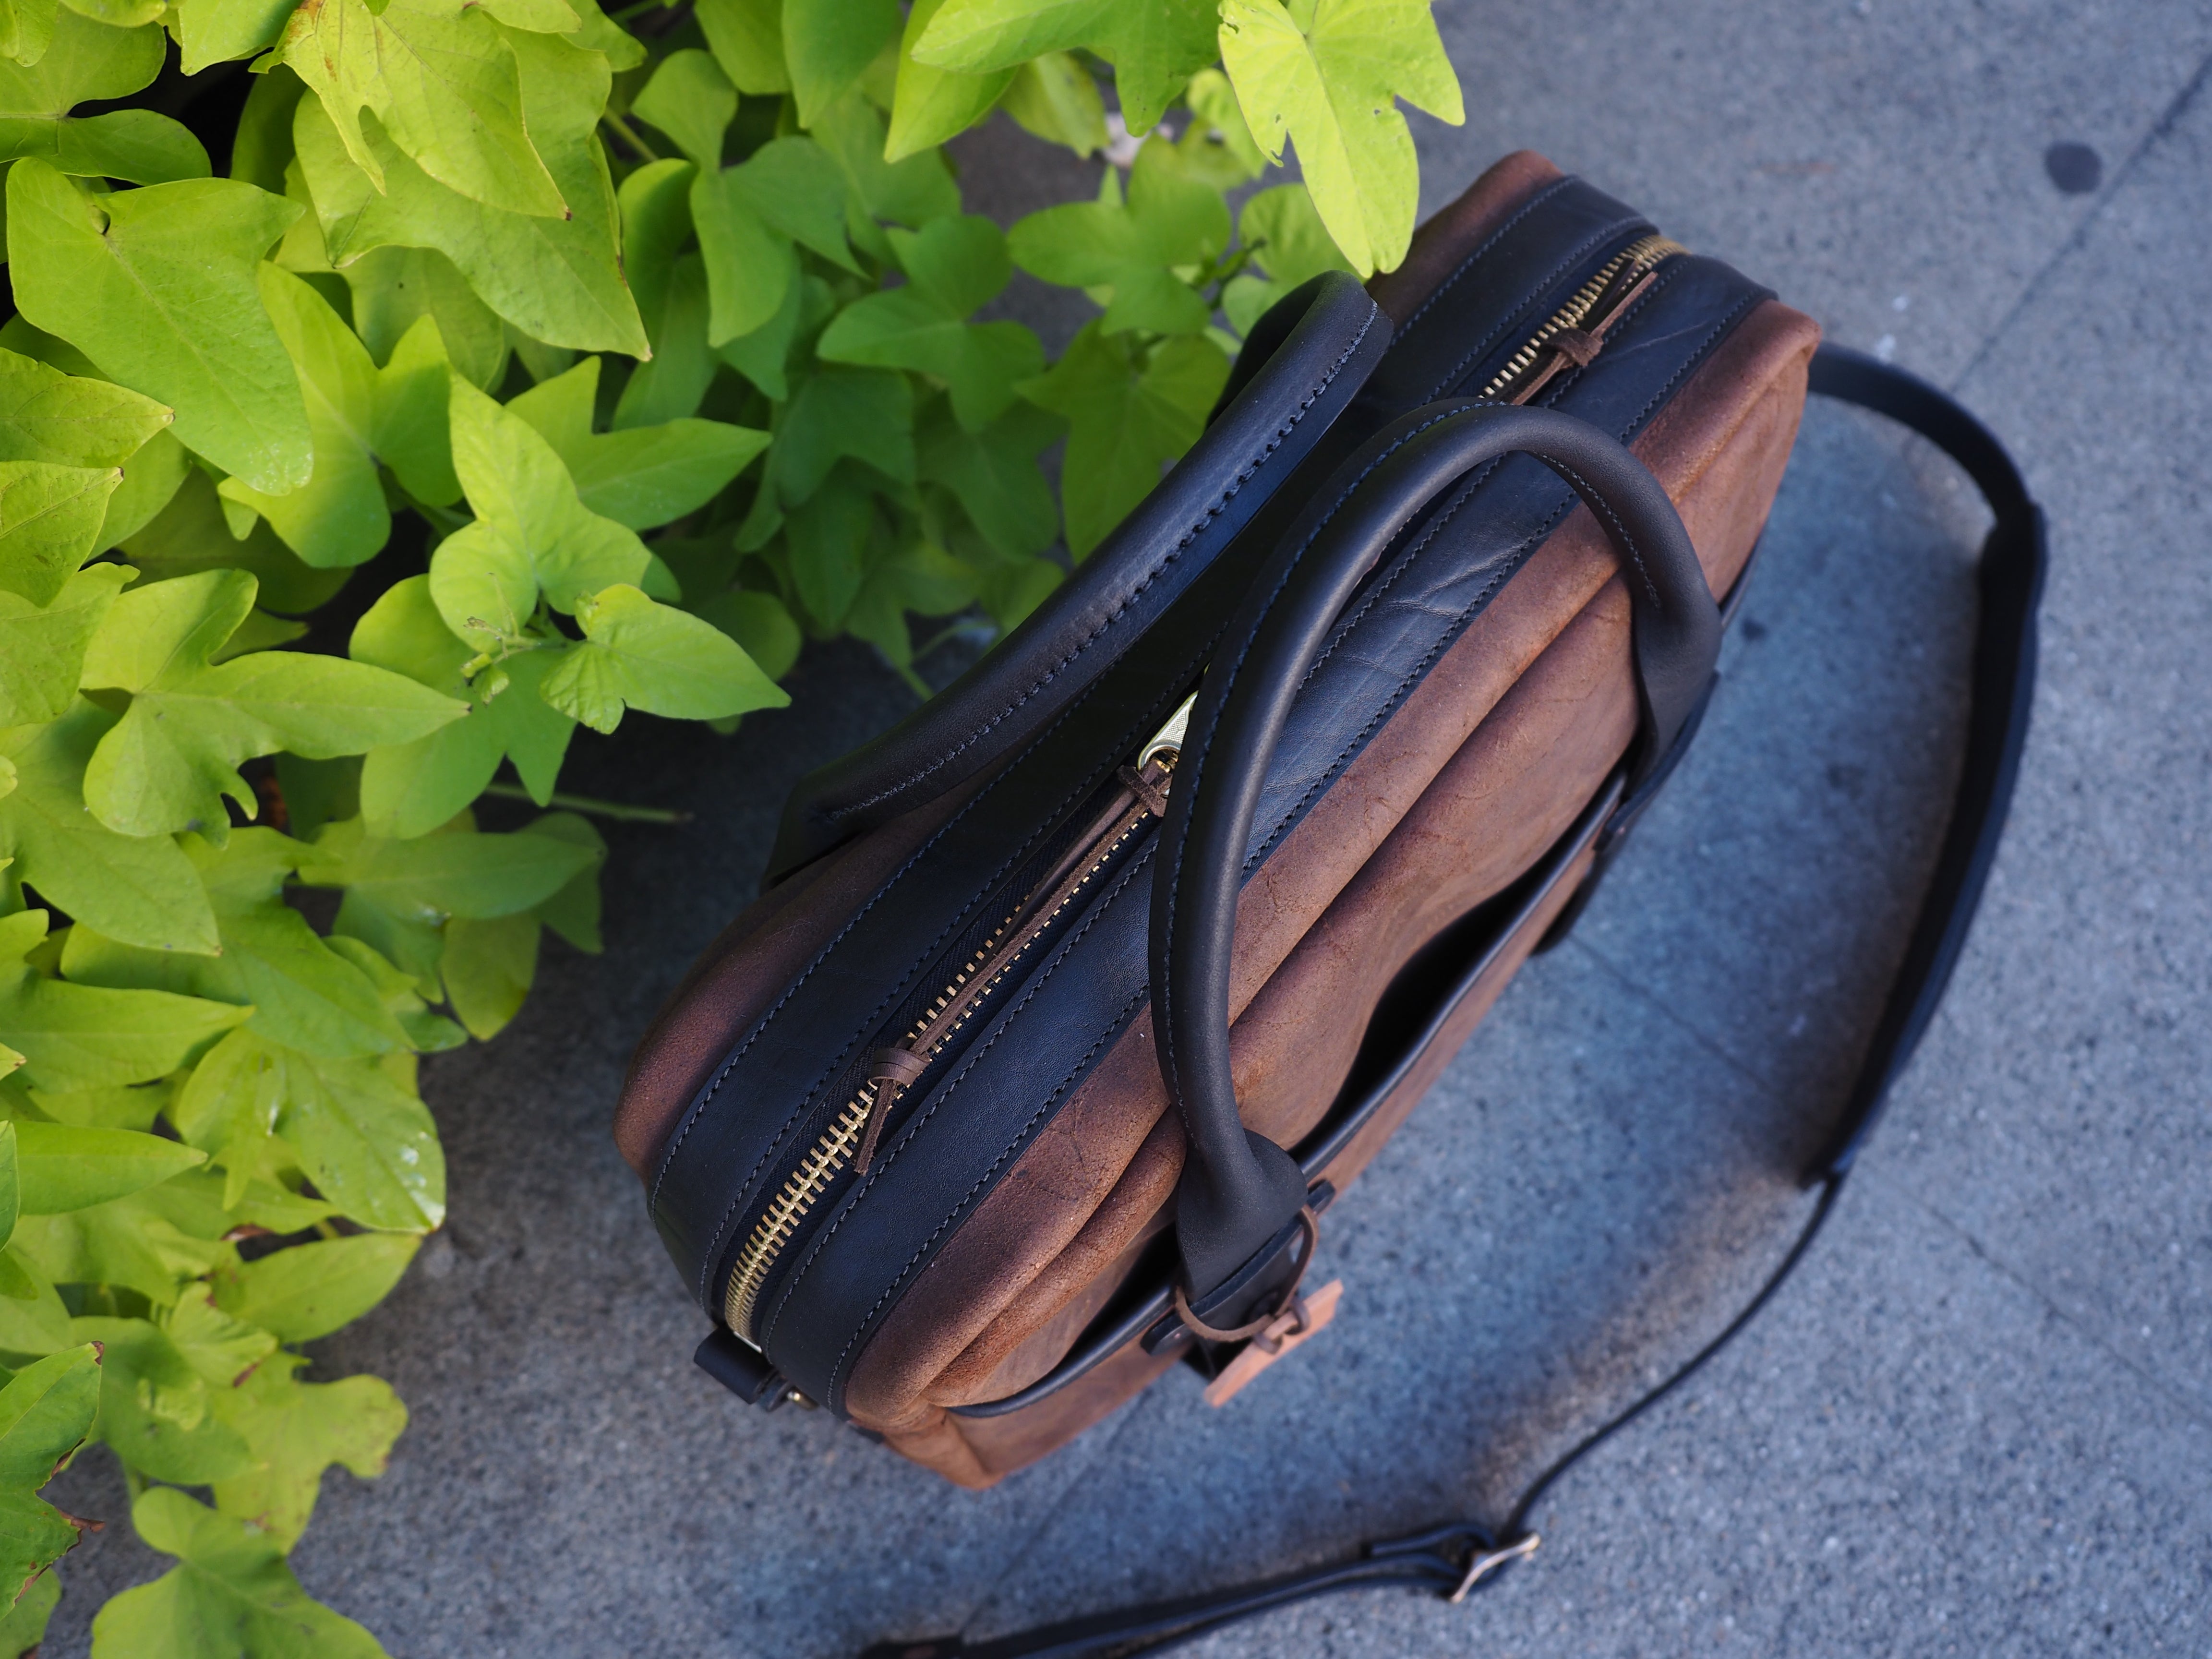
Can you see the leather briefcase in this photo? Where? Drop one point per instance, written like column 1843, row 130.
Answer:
column 1072, row 1003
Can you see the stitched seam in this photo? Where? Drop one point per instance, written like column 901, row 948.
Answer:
column 1468, row 263
column 1596, row 503
column 1165, row 1035
column 888, row 1156
column 1250, row 470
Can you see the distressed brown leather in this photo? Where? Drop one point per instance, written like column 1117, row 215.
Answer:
column 1480, row 771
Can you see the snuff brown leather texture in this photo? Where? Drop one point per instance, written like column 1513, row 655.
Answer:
column 1478, row 772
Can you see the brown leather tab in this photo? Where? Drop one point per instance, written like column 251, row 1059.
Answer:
column 1304, row 1319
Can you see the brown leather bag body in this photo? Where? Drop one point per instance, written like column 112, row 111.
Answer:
column 906, row 1126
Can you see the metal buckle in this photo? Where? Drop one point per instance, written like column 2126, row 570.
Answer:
column 1483, row 1563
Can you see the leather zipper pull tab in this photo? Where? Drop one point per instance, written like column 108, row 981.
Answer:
column 892, row 1071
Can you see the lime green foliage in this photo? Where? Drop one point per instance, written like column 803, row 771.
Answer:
column 525, row 375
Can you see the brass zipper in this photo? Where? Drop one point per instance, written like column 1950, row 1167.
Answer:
column 1576, row 331
column 858, row 1129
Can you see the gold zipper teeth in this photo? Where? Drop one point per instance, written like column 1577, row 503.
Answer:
column 822, row 1164
column 1638, row 258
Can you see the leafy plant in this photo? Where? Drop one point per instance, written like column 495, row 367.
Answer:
column 634, row 351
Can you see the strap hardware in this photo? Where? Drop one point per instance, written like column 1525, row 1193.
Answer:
column 1483, row 1563
column 1306, row 1317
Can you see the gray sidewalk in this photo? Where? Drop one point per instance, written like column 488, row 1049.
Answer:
column 1979, row 1422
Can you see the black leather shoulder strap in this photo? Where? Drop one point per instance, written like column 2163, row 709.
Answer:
column 1457, row 1556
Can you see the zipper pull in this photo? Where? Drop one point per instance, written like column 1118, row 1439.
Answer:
column 892, row 1071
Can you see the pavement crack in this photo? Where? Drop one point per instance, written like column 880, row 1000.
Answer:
column 2193, row 1409
column 2160, row 130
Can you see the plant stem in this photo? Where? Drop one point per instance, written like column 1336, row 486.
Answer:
column 628, row 133
column 621, row 812
column 641, row 7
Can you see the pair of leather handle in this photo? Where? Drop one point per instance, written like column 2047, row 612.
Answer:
column 1461, row 1555
column 1239, row 1191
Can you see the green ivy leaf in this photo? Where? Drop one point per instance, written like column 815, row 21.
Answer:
column 82, row 266
column 994, row 474
column 170, row 760
column 408, row 415
column 409, row 789
column 297, row 1429
column 62, row 1167
column 1289, row 243
column 642, row 475
column 829, row 44
column 758, row 621
column 1168, row 221
column 15, row 1284
column 1055, row 98
column 1125, row 420
column 230, row 1593
column 188, row 536
column 526, row 502
column 69, row 420
column 461, row 873
column 228, row 1107
column 931, row 105
column 1155, row 47
column 221, row 1349
column 574, row 911
column 953, row 265
column 311, row 1289
column 443, row 83
column 672, row 296
column 142, row 890
column 921, row 578
column 909, row 192
column 864, row 413
column 154, row 1409
column 1330, row 88
column 978, row 35
column 46, row 1412
column 130, row 1242
column 211, row 32
column 748, row 268
column 367, row 1141
column 763, row 356
column 798, row 189
column 303, row 995
column 35, row 1324
column 488, row 967
column 556, row 280
column 50, row 519
column 26, row 31
column 641, row 654
column 746, row 37
column 338, row 516
column 1217, row 149
column 393, row 289
column 85, row 60
column 690, row 100
column 82, row 62
column 829, row 540
column 42, row 648
column 85, row 1036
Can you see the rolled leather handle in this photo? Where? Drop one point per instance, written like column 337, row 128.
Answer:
column 1240, row 1191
